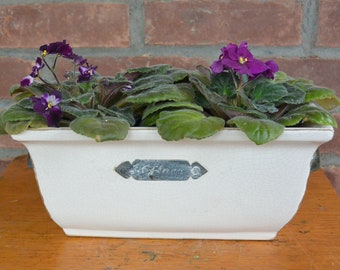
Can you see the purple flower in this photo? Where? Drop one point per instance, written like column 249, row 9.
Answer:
column 36, row 68
column 86, row 72
column 28, row 80
column 59, row 47
column 272, row 68
column 239, row 59
column 47, row 106
column 79, row 60
column 218, row 66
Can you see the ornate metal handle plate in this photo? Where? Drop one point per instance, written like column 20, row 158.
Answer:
column 155, row 170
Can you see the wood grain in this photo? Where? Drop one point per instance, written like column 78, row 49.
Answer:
column 29, row 239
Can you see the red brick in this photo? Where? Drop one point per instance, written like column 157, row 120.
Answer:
column 7, row 142
column 332, row 147
column 272, row 23
column 12, row 71
column 324, row 72
column 81, row 24
column 329, row 24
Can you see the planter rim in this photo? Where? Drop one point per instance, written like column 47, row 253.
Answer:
column 151, row 134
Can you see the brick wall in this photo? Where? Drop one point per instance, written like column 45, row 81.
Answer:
column 303, row 36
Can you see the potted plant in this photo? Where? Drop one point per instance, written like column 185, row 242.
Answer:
column 124, row 155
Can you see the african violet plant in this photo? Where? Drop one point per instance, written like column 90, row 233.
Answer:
column 237, row 90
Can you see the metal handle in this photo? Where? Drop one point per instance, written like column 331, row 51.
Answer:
column 160, row 170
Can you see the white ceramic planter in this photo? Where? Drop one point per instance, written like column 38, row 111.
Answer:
column 247, row 191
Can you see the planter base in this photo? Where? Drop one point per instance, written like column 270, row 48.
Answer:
column 173, row 235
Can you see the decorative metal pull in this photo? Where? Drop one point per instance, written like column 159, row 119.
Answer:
column 155, row 170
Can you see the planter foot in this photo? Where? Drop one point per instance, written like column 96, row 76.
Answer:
column 173, row 235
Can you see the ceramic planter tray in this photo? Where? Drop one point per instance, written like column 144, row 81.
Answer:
column 223, row 187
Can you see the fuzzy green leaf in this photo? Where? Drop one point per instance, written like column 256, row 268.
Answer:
column 178, row 74
column 126, row 113
column 85, row 98
column 294, row 96
column 151, row 109
column 150, row 114
column 280, row 77
column 17, row 113
column 2, row 125
column 268, row 92
column 260, row 131
column 186, row 123
column 36, row 89
column 308, row 114
column 16, row 127
column 162, row 92
column 76, row 112
column 101, row 129
column 161, row 68
column 223, row 84
column 329, row 103
column 150, row 81
column 315, row 93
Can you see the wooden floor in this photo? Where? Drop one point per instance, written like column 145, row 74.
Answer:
column 29, row 239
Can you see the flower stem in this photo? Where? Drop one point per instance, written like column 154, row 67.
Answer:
column 52, row 70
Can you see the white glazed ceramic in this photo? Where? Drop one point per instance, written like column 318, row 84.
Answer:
column 248, row 191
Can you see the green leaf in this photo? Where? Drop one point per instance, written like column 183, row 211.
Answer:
column 268, row 92
column 17, row 113
column 223, row 84
column 101, row 129
column 36, row 89
column 169, row 105
column 266, row 107
column 302, row 83
column 329, row 103
column 162, row 92
column 150, row 81
column 26, row 103
column 280, row 77
column 2, row 125
column 308, row 114
column 150, row 114
column 22, row 95
column 76, row 112
column 19, row 124
column 16, row 127
column 260, row 131
column 186, row 123
column 315, row 93
column 294, row 96
column 125, row 113
column 291, row 119
column 202, row 74
column 38, row 122
column 161, row 68
column 85, row 98
column 233, row 111
column 178, row 74
column 15, row 89
column 211, row 97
